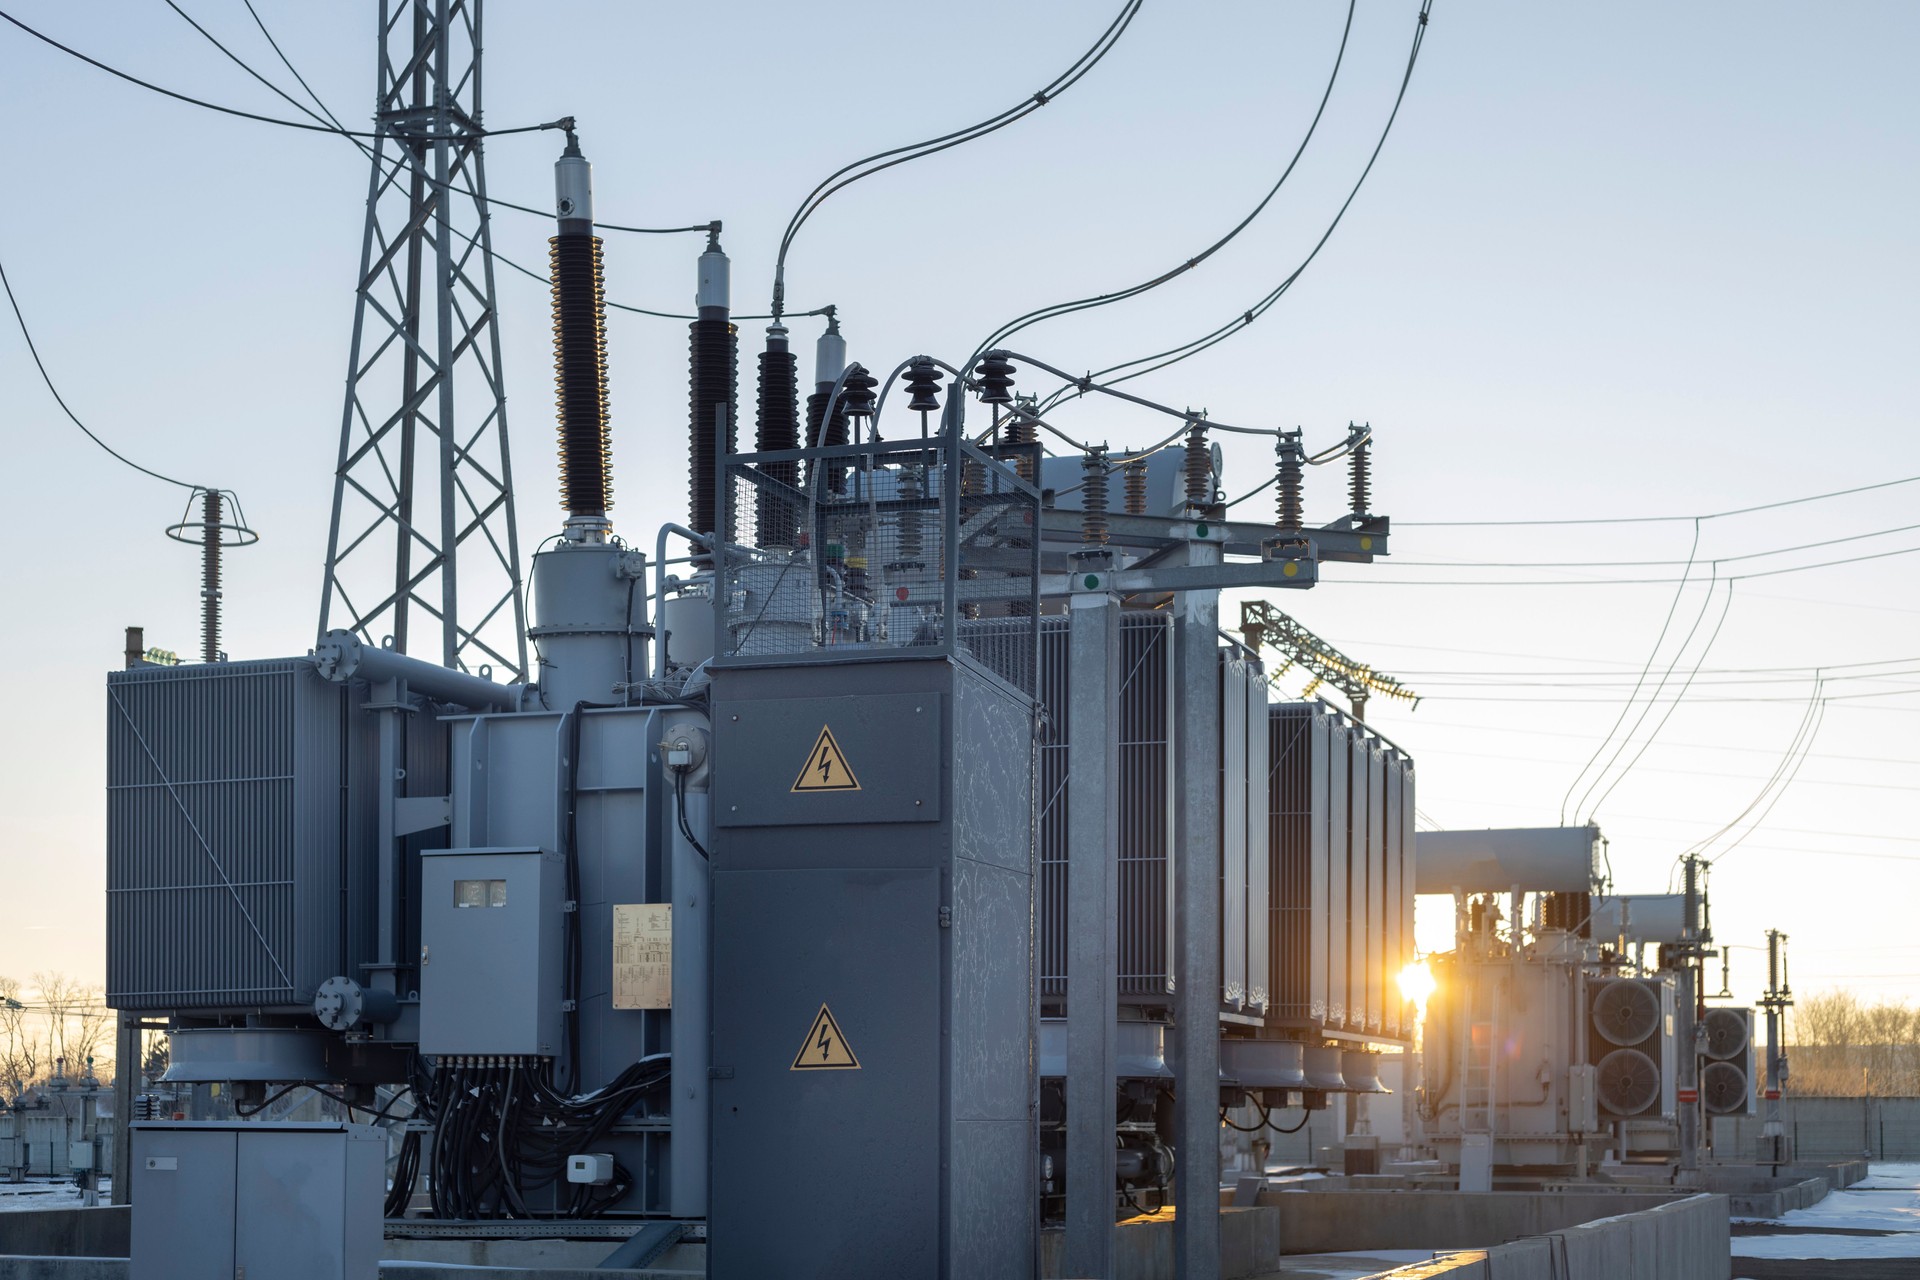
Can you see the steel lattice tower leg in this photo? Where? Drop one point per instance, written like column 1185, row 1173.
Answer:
column 426, row 359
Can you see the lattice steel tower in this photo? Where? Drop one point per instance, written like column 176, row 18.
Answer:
column 431, row 534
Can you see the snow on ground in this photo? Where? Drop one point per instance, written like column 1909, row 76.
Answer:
column 1888, row 1201
column 44, row 1193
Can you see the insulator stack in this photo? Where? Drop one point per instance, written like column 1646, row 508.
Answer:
column 1289, row 509
column 1199, row 465
column 1136, row 486
column 1093, row 497
column 856, row 392
column 211, row 520
column 996, row 378
column 580, row 373
column 777, row 516
column 1360, row 476
column 923, row 378
column 1021, row 430
column 911, row 488
column 829, row 362
column 713, row 372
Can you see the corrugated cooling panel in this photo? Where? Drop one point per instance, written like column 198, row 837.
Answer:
column 1144, row 723
column 224, row 860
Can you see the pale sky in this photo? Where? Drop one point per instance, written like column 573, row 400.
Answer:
column 1632, row 260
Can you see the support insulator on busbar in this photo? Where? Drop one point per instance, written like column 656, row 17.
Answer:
column 777, row 513
column 1093, row 496
column 1198, row 461
column 996, row 372
column 923, row 378
column 1288, row 506
column 1021, row 429
column 856, row 391
column 1136, row 486
column 1360, row 472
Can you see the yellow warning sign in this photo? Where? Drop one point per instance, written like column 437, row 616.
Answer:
column 825, row 1049
column 826, row 767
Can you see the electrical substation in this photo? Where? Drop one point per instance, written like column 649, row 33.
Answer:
column 892, row 865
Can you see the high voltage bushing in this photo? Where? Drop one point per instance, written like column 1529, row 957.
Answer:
column 580, row 373
column 778, row 428
column 1135, row 475
column 996, row 378
column 713, row 364
column 1360, row 474
column 923, row 377
column 1199, row 465
column 1289, row 510
column 1093, row 496
column 218, row 525
column 210, row 522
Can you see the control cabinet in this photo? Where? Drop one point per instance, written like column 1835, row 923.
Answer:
column 492, row 935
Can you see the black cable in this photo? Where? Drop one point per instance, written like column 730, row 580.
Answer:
column 1007, row 330
column 1173, row 355
column 1304, row 1117
column 686, row 829
column 1646, row 667
column 859, row 169
column 265, row 1102
column 1674, row 702
column 61, row 401
column 333, row 127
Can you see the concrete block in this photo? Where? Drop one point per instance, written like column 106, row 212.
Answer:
column 100, row 1232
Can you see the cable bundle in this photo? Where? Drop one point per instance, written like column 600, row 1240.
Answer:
column 502, row 1132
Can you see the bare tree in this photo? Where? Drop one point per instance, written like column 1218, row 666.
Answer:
column 1844, row 1048
column 23, row 1052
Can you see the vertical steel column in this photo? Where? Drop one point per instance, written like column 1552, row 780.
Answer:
column 127, row 1063
column 1684, row 1046
column 1093, row 915
column 1196, row 962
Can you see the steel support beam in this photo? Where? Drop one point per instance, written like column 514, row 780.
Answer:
column 1197, row 925
column 1093, row 914
column 127, row 1064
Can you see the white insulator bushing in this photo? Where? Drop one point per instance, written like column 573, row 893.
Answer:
column 573, row 188
column 716, row 287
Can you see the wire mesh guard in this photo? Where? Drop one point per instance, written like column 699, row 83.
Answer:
column 923, row 546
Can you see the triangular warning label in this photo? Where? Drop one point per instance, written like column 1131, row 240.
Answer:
column 826, row 768
column 825, row 1049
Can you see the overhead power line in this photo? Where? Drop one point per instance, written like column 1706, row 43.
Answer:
column 316, row 125
column 1710, row 515
column 1058, row 309
column 1372, row 580
column 846, row 175
column 60, row 400
column 1173, row 355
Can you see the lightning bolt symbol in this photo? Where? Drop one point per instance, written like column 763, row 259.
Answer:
column 826, row 763
column 826, row 1042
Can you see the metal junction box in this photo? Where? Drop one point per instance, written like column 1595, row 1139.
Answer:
column 873, row 979
column 491, row 954
column 228, row 1198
